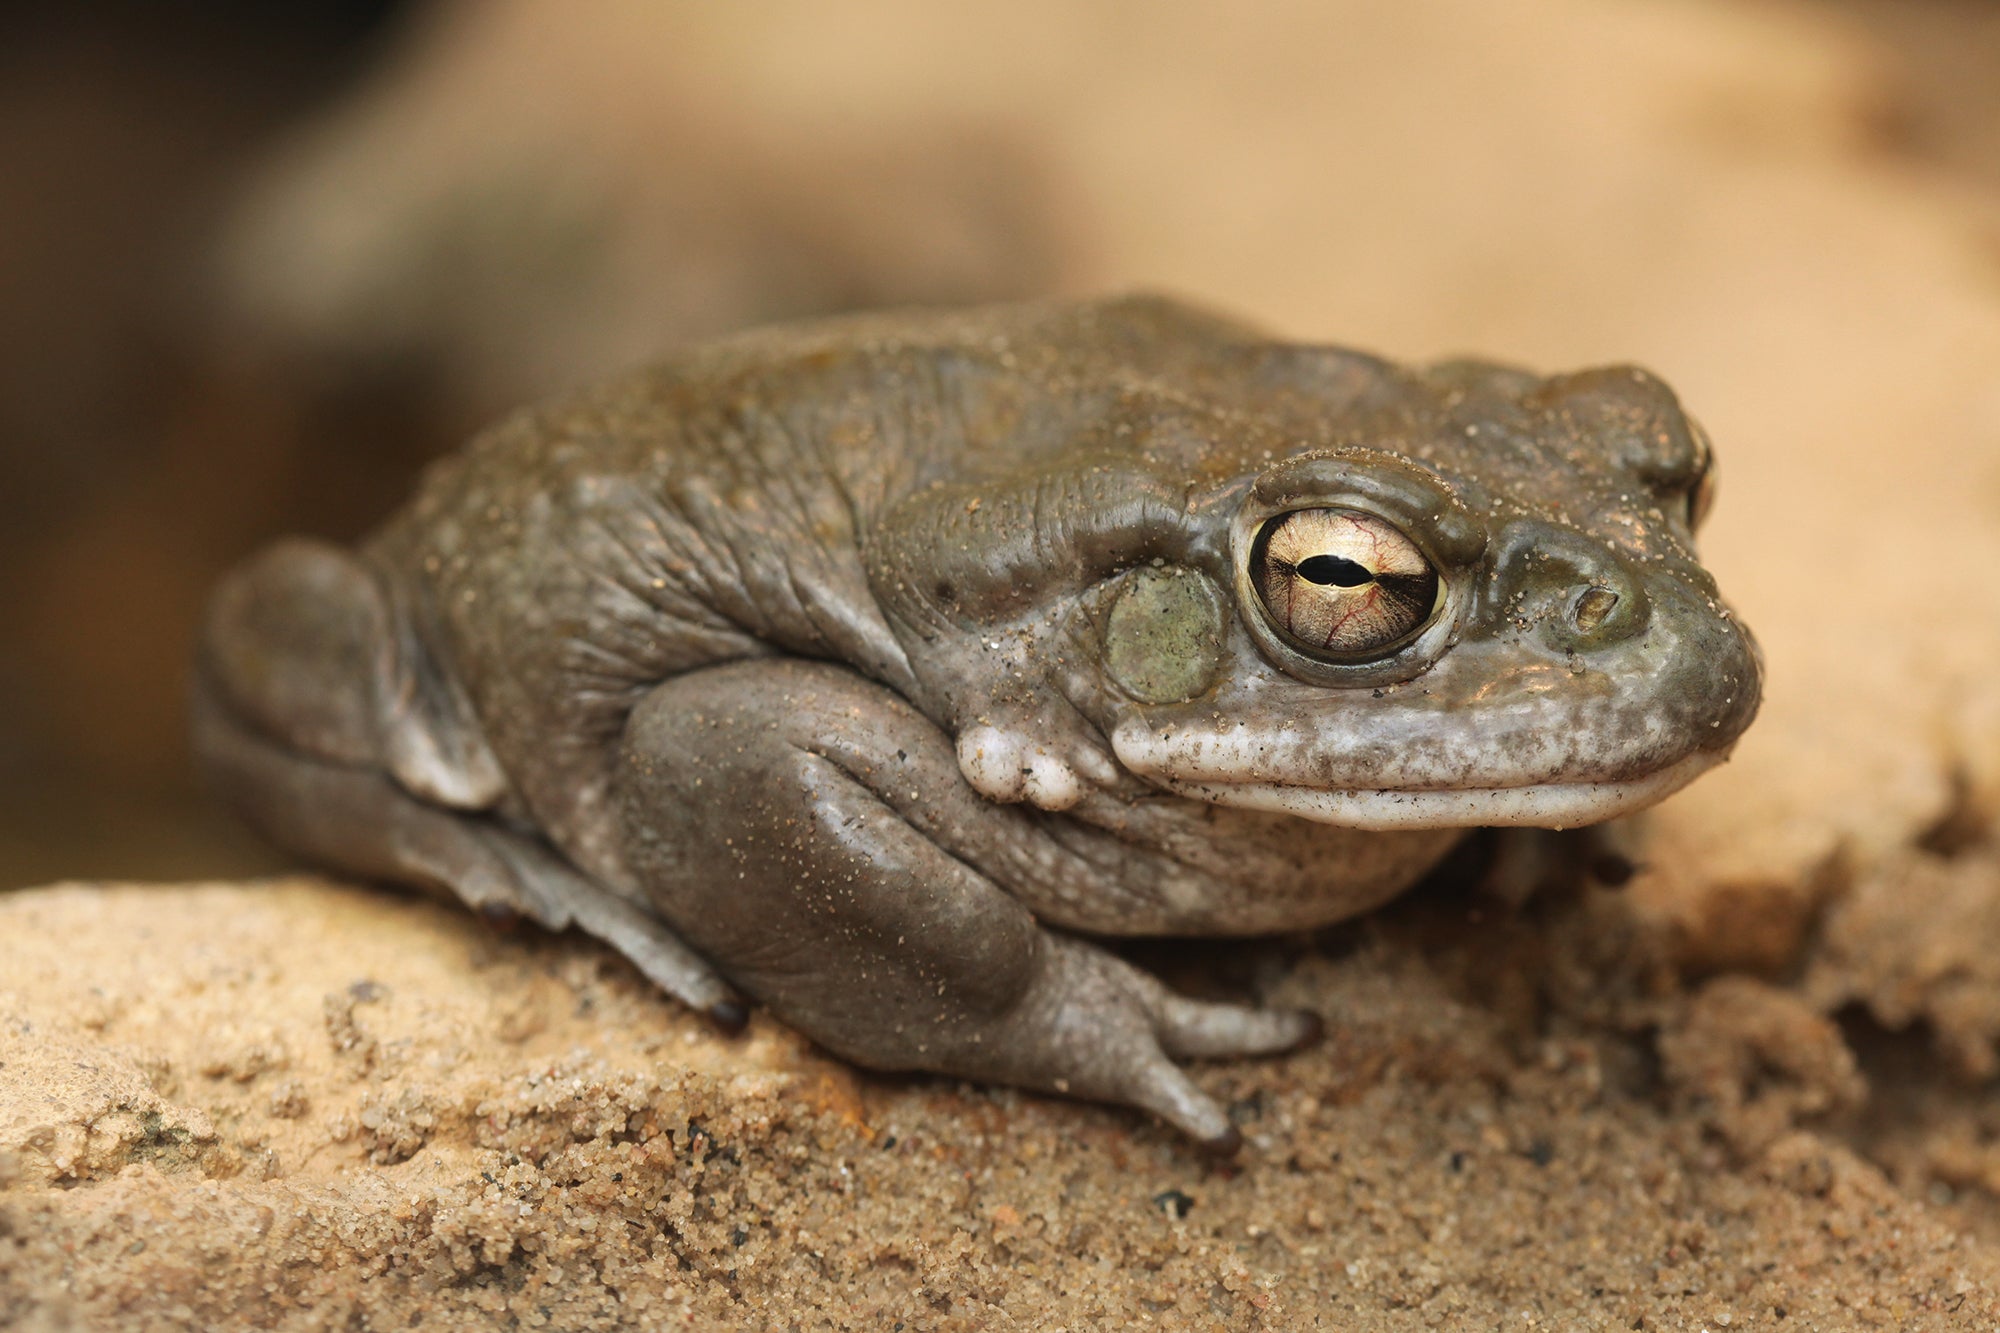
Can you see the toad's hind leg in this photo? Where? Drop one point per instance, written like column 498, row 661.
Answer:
column 811, row 832
column 289, row 726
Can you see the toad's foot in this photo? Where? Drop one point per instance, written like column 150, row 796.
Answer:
column 1004, row 764
column 1094, row 1026
column 811, row 832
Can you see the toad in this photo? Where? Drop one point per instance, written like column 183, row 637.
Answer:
column 875, row 669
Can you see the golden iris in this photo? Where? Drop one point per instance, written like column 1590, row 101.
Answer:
column 1343, row 583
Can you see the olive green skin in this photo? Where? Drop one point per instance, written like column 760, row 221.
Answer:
column 864, row 666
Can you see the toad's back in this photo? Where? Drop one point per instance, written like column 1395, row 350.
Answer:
column 720, row 506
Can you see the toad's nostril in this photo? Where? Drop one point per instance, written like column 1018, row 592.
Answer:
column 1577, row 594
column 1591, row 607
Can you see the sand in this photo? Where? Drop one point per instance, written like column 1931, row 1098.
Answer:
column 302, row 1105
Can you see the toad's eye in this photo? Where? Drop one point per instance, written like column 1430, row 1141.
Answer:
column 1701, row 491
column 1341, row 583
column 1701, row 498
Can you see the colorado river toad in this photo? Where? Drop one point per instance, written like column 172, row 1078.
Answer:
column 870, row 668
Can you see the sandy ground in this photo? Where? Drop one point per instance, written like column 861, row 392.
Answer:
column 1753, row 1089
column 302, row 1105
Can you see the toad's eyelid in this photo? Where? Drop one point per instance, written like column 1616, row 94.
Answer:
column 1701, row 498
column 1404, row 495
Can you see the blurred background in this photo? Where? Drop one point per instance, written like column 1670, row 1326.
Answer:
column 258, row 263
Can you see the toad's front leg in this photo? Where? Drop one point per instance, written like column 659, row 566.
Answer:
column 811, row 833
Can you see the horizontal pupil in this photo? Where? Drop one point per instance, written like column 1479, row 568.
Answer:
column 1334, row 569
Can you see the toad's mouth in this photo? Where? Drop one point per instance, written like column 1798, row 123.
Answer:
column 1554, row 805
